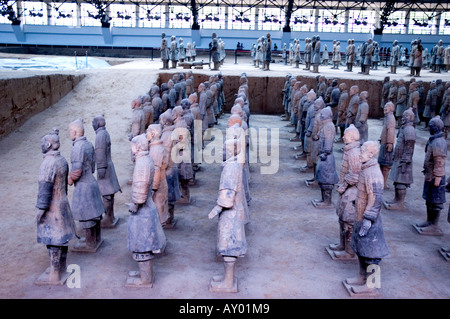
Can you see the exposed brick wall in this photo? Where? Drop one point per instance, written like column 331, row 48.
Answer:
column 21, row 98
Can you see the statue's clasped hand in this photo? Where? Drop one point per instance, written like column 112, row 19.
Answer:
column 366, row 224
column 133, row 208
column 215, row 211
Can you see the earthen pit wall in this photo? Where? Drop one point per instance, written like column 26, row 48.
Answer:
column 266, row 91
column 21, row 98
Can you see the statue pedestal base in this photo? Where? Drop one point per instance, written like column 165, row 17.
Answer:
column 171, row 225
column 134, row 280
column 81, row 247
column 445, row 254
column 333, row 256
column 43, row 279
column 421, row 231
column 110, row 224
column 371, row 293
column 214, row 285
column 183, row 201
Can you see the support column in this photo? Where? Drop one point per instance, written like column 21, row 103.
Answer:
column 226, row 18
column 286, row 37
column 438, row 22
column 137, row 16
column 347, row 19
column 50, row 17
column 18, row 28
column 78, row 14
column 407, row 23
column 167, row 14
column 316, row 20
column 256, row 18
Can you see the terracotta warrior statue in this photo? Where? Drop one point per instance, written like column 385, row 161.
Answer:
column 342, row 110
column 215, row 52
column 402, row 169
column 183, row 149
column 106, row 173
column 173, row 52
column 316, row 56
column 348, row 179
column 137, row 119
column 326, row 174
column 231, row 239
column 387, row 139
column 309, row 126
column 434, row 183
column 160, row 160
column 353, row 105
column 55, row 224
column 145, row 234
column 172, row 176
column 361, row 117
column 395, row 57
column 87, row 206
column 368, row 241
column 164, row 52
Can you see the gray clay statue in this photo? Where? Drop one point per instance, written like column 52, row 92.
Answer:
column 183, row 144
column 231, row 239
column 87, row 205
column 353, row 105
column 145, row 234
column 387, row 139
column 173, row 52
column 55, row 224
column 362, row 116
column 434, row 183
column 106, row 173
column 348, row 180
column 368, row 241
column 164, row 52
column 402, row 168
column 172, row 175
column 160, row 161
column 326, row 175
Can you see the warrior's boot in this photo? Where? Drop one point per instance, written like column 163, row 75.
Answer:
column 341, row 245
column 227, row 282
column 362, row 278
column 296, row 138
column 348, row 251
column 326, row 197
column 431, row 225
column 399, row 200
column 417, row 72
column 63, row 260
column 170, row 222
column 185, row 193
column 98, row 232
column 91, row 237
column 55, row 264
column 108, row 221
column 385, row 171
column 146, row 271
column 309, row 164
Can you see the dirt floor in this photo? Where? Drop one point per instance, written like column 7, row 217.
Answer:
column 287, row 236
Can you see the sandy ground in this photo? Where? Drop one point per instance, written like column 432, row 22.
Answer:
column 287, row 236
